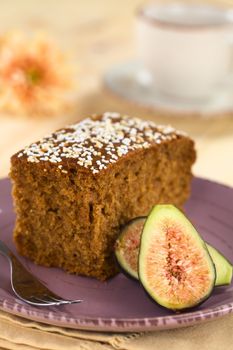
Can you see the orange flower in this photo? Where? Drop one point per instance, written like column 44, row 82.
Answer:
column 35, row 78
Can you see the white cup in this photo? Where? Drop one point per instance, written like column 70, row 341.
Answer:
column 185, row 48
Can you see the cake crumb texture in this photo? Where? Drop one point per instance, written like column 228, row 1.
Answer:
column 75, row 188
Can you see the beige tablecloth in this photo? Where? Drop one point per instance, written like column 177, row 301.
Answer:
column 20, row 334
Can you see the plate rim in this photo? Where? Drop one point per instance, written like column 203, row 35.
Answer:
column 121, row 325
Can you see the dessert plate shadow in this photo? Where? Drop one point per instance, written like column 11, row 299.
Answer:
column 120, row 304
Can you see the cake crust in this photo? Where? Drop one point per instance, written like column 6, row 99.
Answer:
column 98, row 142
column 75, row 188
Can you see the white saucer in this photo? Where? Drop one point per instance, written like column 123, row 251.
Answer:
column 130, row 81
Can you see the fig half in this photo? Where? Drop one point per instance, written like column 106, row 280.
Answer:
column 127, row 246
column 223, row 267
column 174, row 267
column 127, row 251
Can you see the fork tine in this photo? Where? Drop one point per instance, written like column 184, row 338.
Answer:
column 38, row 301
column 27, row 287
column 63, row 300
column 44, row 301
column 50, row 300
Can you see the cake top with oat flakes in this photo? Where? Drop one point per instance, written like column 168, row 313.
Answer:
column 98, row 141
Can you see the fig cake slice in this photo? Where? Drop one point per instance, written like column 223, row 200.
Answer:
column 175, row 267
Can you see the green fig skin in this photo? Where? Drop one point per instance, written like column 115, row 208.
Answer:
column 174, row 284
column 224, row 269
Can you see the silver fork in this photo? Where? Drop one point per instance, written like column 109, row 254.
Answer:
column 27, row 287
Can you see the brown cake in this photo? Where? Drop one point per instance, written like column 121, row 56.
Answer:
column 75, row 188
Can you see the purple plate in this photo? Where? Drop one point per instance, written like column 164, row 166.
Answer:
column 120, row 304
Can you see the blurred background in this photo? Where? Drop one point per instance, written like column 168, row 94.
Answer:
column 99, row 34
